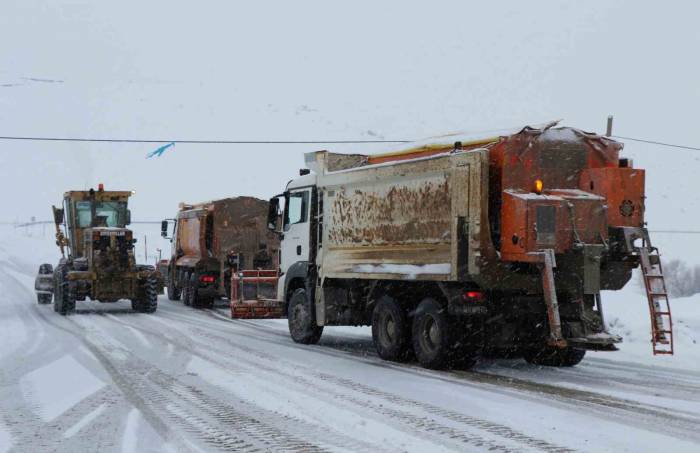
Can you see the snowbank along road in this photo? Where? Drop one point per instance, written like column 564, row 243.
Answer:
column 108, row 379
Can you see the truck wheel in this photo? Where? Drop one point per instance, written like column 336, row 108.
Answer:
column 431, row 334
column 193, row 288
column 186, row 289
column 301, row 320
column 550, row 356
column 173, row 291
column 391, row 330
column 149, row 302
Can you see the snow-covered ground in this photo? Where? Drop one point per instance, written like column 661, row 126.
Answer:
column 107, row 379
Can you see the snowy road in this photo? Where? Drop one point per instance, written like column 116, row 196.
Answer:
column 106, row 379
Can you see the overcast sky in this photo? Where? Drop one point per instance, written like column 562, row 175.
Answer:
column 325, row 70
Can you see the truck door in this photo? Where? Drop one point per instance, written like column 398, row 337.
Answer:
column 296, row 228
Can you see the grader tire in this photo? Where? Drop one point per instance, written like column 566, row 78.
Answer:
column 148, row 302
column 67, row 299
column 58, row 288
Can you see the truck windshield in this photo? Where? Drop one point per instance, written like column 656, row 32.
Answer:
column 107, row 213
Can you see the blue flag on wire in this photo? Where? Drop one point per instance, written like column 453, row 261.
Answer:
column 159, row 152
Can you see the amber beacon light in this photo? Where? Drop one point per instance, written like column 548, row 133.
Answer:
column 538, row 186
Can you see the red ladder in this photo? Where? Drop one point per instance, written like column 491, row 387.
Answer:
column 659, row 307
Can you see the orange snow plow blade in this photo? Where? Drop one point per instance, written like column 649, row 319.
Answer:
column 253, row 295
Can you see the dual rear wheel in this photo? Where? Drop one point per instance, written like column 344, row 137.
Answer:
column 430, row 334
column 190, row 293
column 174, row 292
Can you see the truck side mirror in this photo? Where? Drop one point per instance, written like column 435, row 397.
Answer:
column 273, row 214
column 164, row 228
column 128, row 217
column 57, row 215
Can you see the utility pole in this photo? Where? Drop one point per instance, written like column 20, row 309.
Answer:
column 608, row 131
column 145, row 249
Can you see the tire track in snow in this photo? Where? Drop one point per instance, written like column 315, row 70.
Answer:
column 659, row 419
column 223, row 360
column 160, row 393
column 407, row 406
column 20, row 415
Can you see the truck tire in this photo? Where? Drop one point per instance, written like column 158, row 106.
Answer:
column 148, row 303
column 550, row 356
column 192, row 288
column 186, row 293
column 174, row 292
column 301, row 319
column 432, row 334
column 391, row 330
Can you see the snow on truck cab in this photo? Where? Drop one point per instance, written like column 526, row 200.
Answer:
column 453, row 250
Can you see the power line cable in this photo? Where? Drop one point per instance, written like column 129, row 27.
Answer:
column 208, row 142
column 274, row 142
column 653, row 142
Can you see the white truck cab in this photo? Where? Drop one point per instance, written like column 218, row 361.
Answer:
column 297, row 217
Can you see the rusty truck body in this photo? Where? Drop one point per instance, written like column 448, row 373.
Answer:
column 501, row 244
column 213, row 240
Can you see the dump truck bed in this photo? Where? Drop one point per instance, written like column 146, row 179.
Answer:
column 234, row 225
column 417, row 219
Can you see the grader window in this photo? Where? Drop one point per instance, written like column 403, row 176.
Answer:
column 109, row 213
column 83, row 211
column 111, row 210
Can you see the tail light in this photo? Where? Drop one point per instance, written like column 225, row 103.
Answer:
column 473, row 296
column 207, row 279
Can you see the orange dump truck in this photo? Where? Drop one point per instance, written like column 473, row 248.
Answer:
column 452, row 250
column 213, row 242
